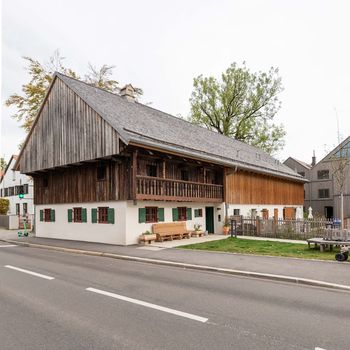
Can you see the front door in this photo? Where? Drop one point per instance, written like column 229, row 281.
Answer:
column 209, row 219
column 328, row 212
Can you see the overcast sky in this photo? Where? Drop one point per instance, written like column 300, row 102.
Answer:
column 161, row 46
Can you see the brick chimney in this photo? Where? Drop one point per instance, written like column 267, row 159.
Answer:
column 128, row 92
column 313, row 162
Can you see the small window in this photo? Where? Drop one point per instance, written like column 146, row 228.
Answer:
column 101, row 173
column 11, row 191
column 151, row 170
column 103, row 215
column 45, row 181
column 184, row 175
column 151, row 214
column 198, row 213
column 25, row 189
column 17, row 209
column 323, row 174
column 182, row 213
column 323, row 193
column 47, row 215
column 77, row 214
column 302, row 173
column 236, row 212
column 25, row 208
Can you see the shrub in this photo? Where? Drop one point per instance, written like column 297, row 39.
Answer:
column 4, row 206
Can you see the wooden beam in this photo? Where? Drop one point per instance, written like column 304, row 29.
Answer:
column 134, row 173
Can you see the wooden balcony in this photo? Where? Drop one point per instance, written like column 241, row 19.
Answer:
column 155, row 188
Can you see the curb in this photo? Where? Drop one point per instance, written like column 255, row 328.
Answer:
column 241, row 273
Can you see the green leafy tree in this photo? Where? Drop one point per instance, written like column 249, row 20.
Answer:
column 33, row 93
column 241, row 105
column 4, row 206
column 3, row 164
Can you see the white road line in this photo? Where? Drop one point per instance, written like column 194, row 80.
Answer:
column 30, row 272
column 8, row 245
column 152, row 306
column 319, row 349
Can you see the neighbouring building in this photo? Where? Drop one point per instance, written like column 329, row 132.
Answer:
column 106, row 167
column 322, row 192
column 12, row 183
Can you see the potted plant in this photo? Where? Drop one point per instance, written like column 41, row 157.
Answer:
column 226, row 226
column 147, row 237
column 197, row 230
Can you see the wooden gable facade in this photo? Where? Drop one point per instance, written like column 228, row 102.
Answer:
column 66, row 131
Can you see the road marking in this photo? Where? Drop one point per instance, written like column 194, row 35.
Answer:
column 319, row 349
column 8, row 245
column 152, row 306
column 30, row 272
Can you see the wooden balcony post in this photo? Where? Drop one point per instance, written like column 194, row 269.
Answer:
column 134, row 173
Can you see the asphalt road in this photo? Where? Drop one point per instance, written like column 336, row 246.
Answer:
column 84, row 302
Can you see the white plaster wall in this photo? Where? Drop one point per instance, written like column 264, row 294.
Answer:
column 102, row 233
column 245, row 209
column 134, row 228
column 15, row 178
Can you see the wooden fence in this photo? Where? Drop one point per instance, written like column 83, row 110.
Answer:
column 280, row 228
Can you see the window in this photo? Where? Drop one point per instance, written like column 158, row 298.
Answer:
column 236, row 211
column 1, row 192
column 323, row 193
column 323, row 174
column 17, row 209
column 151, row 214
column 101, row 173
column 25, row 189
column 77, row 214
column 198, row 213
column 182, row 213
column 344, row 152
column 6, row 192
column 25, row 208
column 302, row 173
column 103, row 215
column 49, row 215
column 45, row 181
column 184, row 175
column 151, row 170
column 11, row 191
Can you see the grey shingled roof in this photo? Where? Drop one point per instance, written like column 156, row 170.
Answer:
column 141, row 124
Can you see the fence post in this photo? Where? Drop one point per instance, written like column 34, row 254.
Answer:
column 258, row 226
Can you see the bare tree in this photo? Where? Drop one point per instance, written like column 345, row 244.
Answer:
column 340, row 167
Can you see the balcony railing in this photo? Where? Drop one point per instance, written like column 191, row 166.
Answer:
column 166, row 189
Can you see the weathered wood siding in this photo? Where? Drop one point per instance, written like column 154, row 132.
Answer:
column 248, row 188
column 67, row 131
column 79, row 184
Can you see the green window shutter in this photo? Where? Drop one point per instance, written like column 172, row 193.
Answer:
column 83, row 215
column 175, row 214
column 70, row 215
column 52, row 215
column 94, row 215
column 111, row 215
column 41, row 215
column 160, row 214
column 189, row 213
column 142, row 215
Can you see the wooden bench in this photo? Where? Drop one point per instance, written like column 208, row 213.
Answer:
column 170, row 231
column 324, row 243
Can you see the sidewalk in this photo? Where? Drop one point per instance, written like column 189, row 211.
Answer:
column 327, row 271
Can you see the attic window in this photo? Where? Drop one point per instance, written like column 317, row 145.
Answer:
column 45, row 181
column 101, row 172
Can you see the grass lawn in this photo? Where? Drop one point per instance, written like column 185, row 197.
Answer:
column 247, row 246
